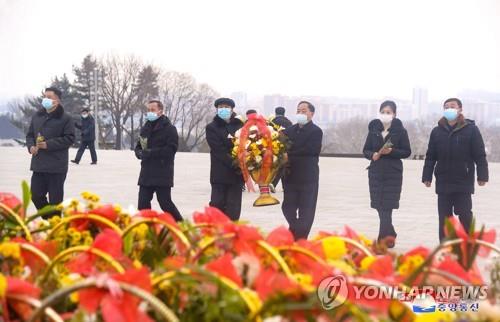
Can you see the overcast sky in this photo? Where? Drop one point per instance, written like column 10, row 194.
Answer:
column 340, row 48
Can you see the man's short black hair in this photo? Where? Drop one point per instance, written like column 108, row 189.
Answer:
column 453, row 99
column 279, row 110
column 224, row 101
column 391, row 104
column 54, row 90
column 158, row 103
column 251, row 111
column 85, row 110
column 309, row 105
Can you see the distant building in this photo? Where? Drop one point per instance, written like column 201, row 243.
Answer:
column 241, row 100
column 420, row 103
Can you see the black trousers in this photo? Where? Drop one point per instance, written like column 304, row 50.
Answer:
column 164, row 197
column 81, row 149
column 386, row 228
column 299, row 207
column 43, row 183
column 278, row 178
column 227, row 198
column 459, row 204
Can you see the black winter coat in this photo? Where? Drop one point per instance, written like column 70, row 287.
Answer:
column 451, row 155
column 303, row 154
column 157, row 159
column 282, row 121
column 58, row 131
column 385, row 176
column 87, row 128
column 222, row 168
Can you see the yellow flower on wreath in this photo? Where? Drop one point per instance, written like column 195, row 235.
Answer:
column 333, row 247
column 10, row 249
column 3, row 286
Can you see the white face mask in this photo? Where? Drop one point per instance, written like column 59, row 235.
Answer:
column 85, row 116
column 386, row 118
column 301, row 119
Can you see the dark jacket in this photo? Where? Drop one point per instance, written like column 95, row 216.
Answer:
column 303, row 154
column 87, row 128
column 222, row 168
column 157, row 159
column 57, row 129
column 385, row 176
column 451, row 155
column 282, row 121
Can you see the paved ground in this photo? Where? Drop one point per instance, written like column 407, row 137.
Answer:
column 343, row 195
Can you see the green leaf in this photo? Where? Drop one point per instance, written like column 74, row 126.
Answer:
column 49, row 209
column 26, row 195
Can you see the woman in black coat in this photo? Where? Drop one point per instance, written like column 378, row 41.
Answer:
column 386, row 144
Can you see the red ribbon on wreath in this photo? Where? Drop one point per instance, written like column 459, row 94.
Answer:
column 267, row 160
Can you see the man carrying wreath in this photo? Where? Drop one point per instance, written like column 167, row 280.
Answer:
column 225, row 177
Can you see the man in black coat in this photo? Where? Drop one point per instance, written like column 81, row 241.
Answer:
column 50, row 134
column 301, row 179
column 386, row 144
column 279, row 120
column 156, row 148
column 225, row 177
column 87, row 128
column 455, row 146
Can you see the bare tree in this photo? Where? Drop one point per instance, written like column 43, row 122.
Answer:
column 346, row 137
column 189, row 107
column 120, row 92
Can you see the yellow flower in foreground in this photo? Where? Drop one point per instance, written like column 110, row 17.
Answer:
column 365, row 240
column 9, row 249
column 410, row 264
column 333, row 247
column 253, row 298
column 303, row 279
column 435, row 317
column 342, row 266
column 367, row 262
column 141, row 231
column 89, row 196
column 3, row 286
column 68, row 280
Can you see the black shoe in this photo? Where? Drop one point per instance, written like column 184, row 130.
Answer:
column 75, row 162
column 94, row 162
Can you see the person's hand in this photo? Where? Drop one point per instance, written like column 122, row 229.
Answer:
column 33, row 150
column 376, row 156
column 427, row 184
column 41, row 145
column 385, row 151
column 481, row 183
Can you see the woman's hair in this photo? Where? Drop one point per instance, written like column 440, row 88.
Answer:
column 391, row 104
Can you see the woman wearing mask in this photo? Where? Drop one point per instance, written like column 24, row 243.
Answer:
column 386, row 144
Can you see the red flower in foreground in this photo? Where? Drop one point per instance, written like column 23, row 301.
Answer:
column 270, row 282
column 34, row 262
column 108, row 241
column 17, row 286
column 105, row 211
column 458, row 231
column 11, row 201
column 280, row 236
column 224, row 266
column 212, row 216
column 115, row 305
column 165, row 216
column 246, row 237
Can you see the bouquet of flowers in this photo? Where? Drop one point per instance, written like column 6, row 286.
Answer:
column 260, row 151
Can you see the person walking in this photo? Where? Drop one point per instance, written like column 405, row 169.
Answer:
column 87, row 129
column 386, row 144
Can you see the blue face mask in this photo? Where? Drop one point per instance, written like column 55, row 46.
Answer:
column 151, row 116
column 450, row 114
column 224, row 113
column 47, row 103
column 301, row 119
